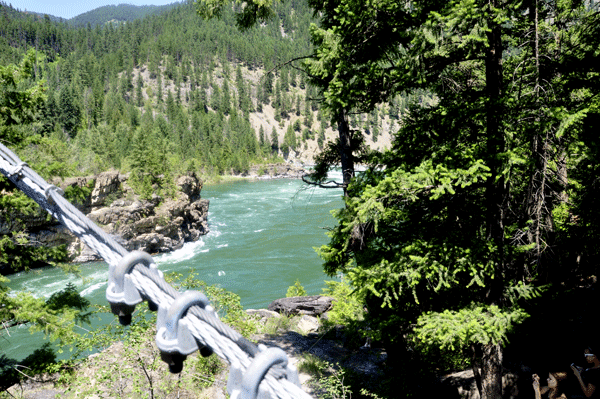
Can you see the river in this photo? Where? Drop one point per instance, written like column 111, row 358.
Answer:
column 262, row 235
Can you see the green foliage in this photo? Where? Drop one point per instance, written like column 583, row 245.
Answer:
column 346, row 310
column 93, row 108
column 277, row 324
column 295, row 290
column 78, row 195
column 113, row 14
column 457, row 329
column 56, row 318
column 20, row 100
column 333, row 385
column 333, row 382
column 451, row 231
column 311, row 364
column 18, row 104
column 139, row 372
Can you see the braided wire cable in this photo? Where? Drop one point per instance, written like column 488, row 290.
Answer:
column 204, row 325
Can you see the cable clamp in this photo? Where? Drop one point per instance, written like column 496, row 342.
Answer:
column 17, row 169
column 173, row 338
column 247, row 385
column 49, row 188
column 121, row 293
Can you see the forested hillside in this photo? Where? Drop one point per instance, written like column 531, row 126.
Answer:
column 172, row 92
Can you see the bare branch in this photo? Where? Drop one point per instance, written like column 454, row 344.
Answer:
column 323, row 184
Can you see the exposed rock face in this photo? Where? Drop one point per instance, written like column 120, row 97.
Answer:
column 155, row 225
column 314, row 305
column 107, row 184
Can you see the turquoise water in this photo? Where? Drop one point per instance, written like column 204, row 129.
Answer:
column 261, row 240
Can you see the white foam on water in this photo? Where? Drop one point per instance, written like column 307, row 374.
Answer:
column 214, row 226
column 60, row 284
column 99, row 275
column 47, row 289
column 221, row 273
column 223, row 246
column 93, row 288
column 188, row 251
column 258, row 231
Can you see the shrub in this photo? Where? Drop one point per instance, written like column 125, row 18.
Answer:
column 295, row 290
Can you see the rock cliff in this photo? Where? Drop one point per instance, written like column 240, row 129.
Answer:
column 155, row 225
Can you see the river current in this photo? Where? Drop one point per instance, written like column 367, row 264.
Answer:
column 261, row 240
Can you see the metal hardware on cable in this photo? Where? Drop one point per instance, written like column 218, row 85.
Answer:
column 49, row 189
column 247, row 385
column 134, row 277
column 17, row 170
column 121, row 293
column 173, row 337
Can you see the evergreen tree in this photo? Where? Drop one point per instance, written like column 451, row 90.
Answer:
column 261, row 137
column 159, row 88
column 274, row 141
column 225, row 106
column 69, row 111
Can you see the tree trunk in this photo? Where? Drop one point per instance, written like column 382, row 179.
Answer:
column 496, row 196
column 496, row 191
column 346, row 157
column 476, row 350
column 491, row 372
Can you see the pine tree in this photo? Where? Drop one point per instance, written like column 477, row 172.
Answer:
column 274, row 141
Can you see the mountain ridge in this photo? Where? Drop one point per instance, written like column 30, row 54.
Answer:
column 119, row 13
column 116, row 13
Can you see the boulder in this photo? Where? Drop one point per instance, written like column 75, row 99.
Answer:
column 314, row 305
column 308, row 324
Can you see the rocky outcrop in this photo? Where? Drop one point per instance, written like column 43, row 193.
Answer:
column 314, row 305
column 107, row 184
column 155, row 225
